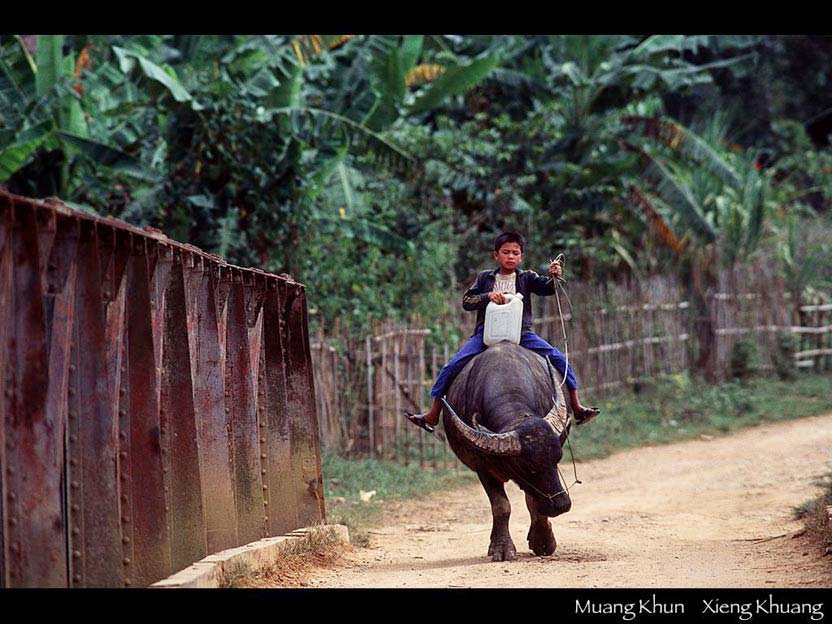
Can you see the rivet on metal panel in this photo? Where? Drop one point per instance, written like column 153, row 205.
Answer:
column 123, row 477
column 73, row 438
column 125, row 520
column 76, row 507
column 265, row 487
column 125, row 540
column 263, row 456
column 72, row 392
column 227, row 410
column 73, row 462
column 262, row 440
column 10, row 470
column 76, row 578
column 122, row 391
column 165, row 470
column 72, row 414
column 72, row 368
column 126, row 561
column 122, row 436
column 76, row 554
column 124, row 498
column 162, row 411
column 122, row 413
column 127, row 582
column 266, row 503
column 262, row 472
column 167, row 508
column 123, row 454
column 167, row 489
column 75, row 485
column 76, row 531
column 12, row 521
column 12, row 496
column 262, row 424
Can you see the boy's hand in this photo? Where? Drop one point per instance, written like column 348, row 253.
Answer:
column 497, row 297
column 555, row 269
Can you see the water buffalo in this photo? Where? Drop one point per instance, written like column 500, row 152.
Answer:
column 500, row 421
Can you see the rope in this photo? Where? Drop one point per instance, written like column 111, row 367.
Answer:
column 561, row 258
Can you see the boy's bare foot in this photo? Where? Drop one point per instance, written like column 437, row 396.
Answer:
column 585, row 414
column 421, row 420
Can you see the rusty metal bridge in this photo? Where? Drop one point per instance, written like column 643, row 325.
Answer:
column 157, row 403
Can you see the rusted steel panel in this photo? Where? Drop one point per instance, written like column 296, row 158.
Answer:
column 60, row 290
column 47, row 225
column 151, row 537
column 5, row 329
column 312, row 416
column 125, row 470
column 306, row 475
column 161, row 409
column 255, row 289
column 34, row 528
column 159, row 263
column 246, row 477
column 91, row 478
column 273, row 412
column 212, row 421
column 177, row 414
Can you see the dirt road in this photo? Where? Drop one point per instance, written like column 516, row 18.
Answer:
column 703, row 513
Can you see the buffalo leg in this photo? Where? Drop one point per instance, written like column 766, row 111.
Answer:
column 541, row 539
column 501, row 547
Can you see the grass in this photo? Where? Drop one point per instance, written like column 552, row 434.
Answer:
column 345, row 479
column 680, row 407
column 675, row 408
column 815, row 515
column 320, row 546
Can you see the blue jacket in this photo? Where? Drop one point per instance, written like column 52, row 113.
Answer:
column 528, row 282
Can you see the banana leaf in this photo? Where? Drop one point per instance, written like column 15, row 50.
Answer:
column 684, row 141
column 128, row 61
column 106, row 155
column 17, row 155
column 49, row 59
column 674, row 193
column 410, row 51
column 455, row 81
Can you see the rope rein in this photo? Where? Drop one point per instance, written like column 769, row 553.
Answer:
column 561, row 259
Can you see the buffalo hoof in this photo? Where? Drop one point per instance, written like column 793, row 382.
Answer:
column 541, row 539
column 503, row 550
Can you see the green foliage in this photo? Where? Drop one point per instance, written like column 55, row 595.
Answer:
column 783, row 357
column 745, row 359
column 316, row 155
column 344, row 479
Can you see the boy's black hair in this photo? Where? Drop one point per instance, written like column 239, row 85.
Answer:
column 509, row 237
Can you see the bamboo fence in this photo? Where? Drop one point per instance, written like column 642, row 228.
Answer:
column 619, row 335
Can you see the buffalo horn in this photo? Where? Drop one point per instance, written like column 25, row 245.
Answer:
column 491, row 443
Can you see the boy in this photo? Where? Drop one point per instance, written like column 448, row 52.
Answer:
column 492, row 286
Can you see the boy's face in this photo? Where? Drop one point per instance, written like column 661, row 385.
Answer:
column 508, row 256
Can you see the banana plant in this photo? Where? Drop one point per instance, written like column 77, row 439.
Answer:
column 42, row 104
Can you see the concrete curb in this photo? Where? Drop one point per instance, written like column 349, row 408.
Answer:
column 212, row 571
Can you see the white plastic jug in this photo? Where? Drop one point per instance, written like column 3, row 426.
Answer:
column 503, row 321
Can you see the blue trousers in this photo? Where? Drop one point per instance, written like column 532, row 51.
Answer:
column 475, row 345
